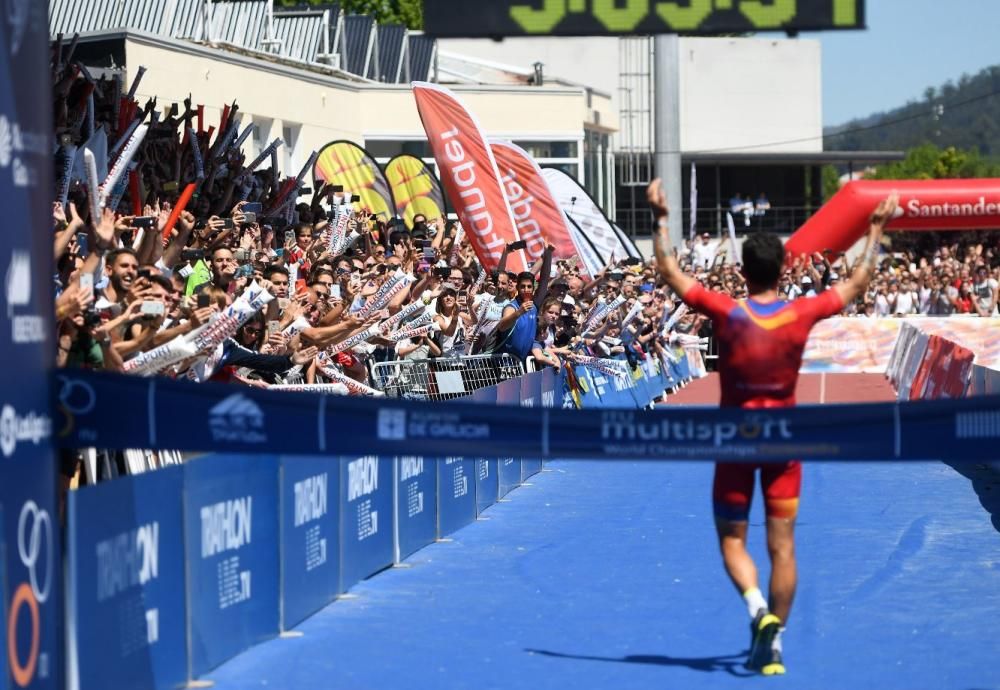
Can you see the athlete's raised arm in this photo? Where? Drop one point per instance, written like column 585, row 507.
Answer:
column 666, row 262
column 862, row 274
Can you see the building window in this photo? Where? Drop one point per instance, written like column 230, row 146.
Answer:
column 261, row 134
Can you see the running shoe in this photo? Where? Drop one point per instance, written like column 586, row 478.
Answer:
column 763, row 656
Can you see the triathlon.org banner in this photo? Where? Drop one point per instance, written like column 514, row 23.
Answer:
column 310, row 535
column 487, row 487
column 416, row 504
column 963, row 430
column 456, row 494
column 126, row 603
column 231, row 528
column 366, row 509
column 509, row 468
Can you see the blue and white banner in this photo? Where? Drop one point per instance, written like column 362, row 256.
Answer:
column 231, row 533
column 310, row 535
column 456, row 494
column 487, row 487
column 508, row 475
column 126, row 621
column 397, row 427
column 531, row 396
column 416, row 504
column 366, row 523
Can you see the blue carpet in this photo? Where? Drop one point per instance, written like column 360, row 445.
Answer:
column 607, row 575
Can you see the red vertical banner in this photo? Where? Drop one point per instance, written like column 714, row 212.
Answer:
column 539, row 218
column 469, row 174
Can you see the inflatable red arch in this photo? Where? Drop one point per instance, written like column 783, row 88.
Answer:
column 923, row 205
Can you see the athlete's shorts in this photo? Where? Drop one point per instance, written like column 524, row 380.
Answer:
column 732, row 489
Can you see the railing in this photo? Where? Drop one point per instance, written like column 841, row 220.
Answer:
column 444, row 378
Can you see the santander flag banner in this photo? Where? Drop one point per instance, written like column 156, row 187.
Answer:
column 923, row 205
column 469, row 174
column 539, row 219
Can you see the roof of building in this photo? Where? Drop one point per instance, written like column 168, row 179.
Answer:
column 313, row 35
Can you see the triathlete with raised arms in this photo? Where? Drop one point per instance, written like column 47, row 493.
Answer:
column 760, row 341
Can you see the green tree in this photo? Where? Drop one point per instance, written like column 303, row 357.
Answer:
column 929, row 162
column 408, row 12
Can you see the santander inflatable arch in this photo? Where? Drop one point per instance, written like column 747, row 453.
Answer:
column 923, row 205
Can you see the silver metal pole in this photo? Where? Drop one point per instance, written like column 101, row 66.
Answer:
column 668, row 127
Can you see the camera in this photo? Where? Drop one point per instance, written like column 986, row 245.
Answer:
column 192, row 254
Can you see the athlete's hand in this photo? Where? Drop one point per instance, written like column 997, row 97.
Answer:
column 885, row 210
column 657, row 199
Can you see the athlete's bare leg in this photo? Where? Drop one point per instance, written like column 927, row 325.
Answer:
column 781, row 547
column 733, row 544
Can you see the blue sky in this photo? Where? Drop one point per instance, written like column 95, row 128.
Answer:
column 908, row 46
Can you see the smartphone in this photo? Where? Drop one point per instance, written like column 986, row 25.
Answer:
column 204, row 300
column 289, row 236
column 81, row 243
column 151, row 309
column 87, row 282
column 192, row 254
column 355, row 198
column 442, row 272
column 616, row 276
column 335, row 291
column 337, row 189
column 250, row 217
column 170, row 186
column 514, row 246
column 254, row 207
column 283, row 303
column 633, row 261
column 428, row 252
column 144, row 273
column 273, row 327
column 143, row 222
column 227, row 224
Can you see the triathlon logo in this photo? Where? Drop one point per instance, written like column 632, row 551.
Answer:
column 392, row 425
column 237, row 418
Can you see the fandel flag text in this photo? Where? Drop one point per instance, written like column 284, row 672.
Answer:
column 469, row 174
column 539, row 219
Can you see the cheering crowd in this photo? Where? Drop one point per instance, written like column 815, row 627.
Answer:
column 190, row 261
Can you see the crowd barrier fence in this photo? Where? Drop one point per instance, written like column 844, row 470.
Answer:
column 171, row 573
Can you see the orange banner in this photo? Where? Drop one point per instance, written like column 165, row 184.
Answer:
column 539, row 219
column 469, row 175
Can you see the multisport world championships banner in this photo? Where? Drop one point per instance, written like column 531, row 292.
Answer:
column 415, row 189
column 345, row 163
column 470, row 175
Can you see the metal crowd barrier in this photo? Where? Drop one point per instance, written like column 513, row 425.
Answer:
column 443, row 378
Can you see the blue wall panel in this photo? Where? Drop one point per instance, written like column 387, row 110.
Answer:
column 366, row 524
column 416, row 504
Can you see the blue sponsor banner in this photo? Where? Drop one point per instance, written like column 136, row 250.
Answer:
column 487, row 487
column 366, row 523
column 590, row 397
column 456, row 494
column 550, row 388
column 508, row 475
column 126, row 582
column 231, row 530
column 531, row 396
column 416, row 504
column 485, row 396
column 27, row 463
column 310, row 536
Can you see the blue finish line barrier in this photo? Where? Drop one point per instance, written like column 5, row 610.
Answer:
column 220, row 419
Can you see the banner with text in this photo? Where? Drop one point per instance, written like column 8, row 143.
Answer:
column 231, row 531
column 366, row 517
column 487, row 487
column 416, row 504
column 456, row 494
column 469, row 174
column 126, row 602
column 310, row 536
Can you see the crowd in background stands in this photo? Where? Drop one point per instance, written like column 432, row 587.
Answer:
column 129, row 284
column 928, row 273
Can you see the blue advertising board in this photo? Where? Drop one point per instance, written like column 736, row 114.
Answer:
column 508, row 475
column 416, row 504
column 456, row 494
column 310, row 536
column 531, row 396
column 27, row 463
column 126, row 583
column 366, row 522
column 487, row 487
column 231, row 529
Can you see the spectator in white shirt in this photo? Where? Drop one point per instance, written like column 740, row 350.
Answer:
column 703, row 252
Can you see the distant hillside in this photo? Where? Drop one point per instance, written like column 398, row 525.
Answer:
column 965, row 115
